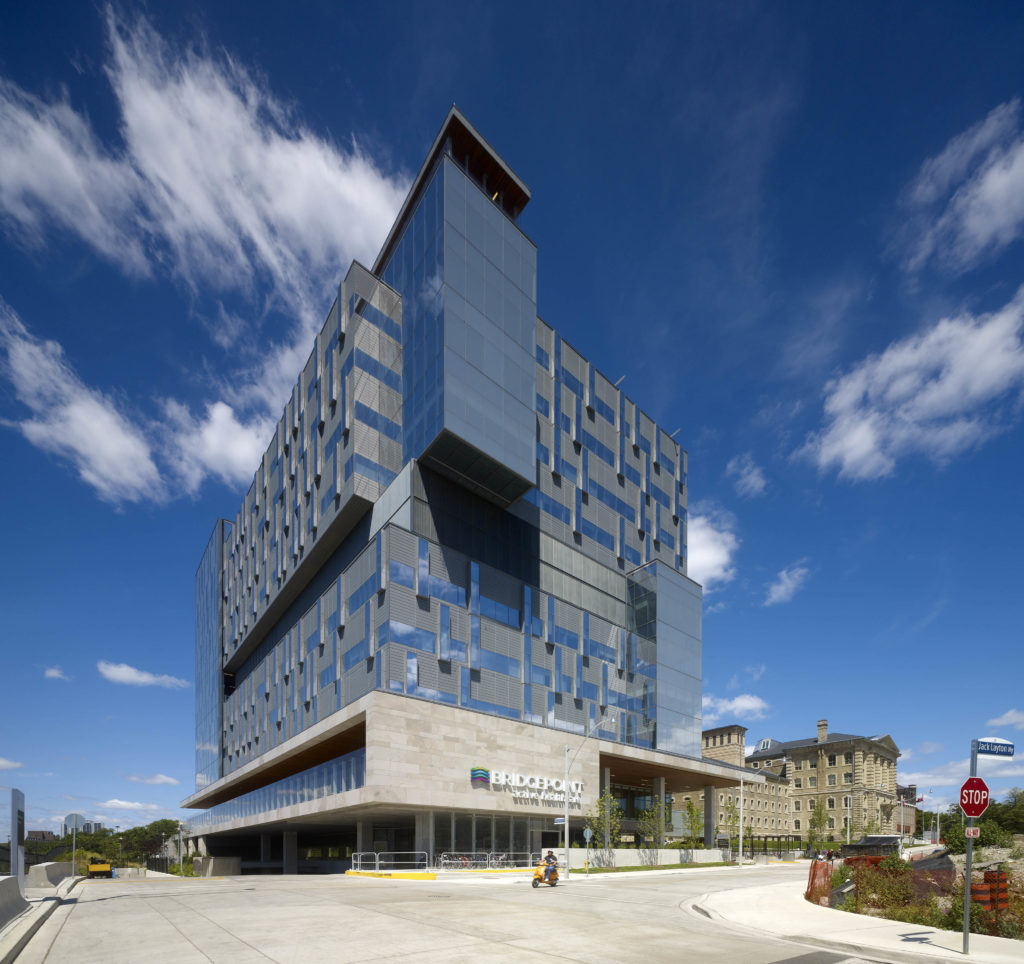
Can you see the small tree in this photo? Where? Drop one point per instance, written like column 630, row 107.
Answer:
column 693, row 823
column 731, row 819
column 816, row 826
column 605, row 821
column 649, row 826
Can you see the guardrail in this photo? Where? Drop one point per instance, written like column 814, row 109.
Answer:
column 493, row 860
column 390, row 860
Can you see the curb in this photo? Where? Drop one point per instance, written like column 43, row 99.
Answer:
column 21, row 930
column 389, row 874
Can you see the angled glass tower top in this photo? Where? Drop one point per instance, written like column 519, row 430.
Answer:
column 468, row 280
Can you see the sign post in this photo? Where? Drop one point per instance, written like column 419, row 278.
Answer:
column 18, row 838
column 973, row 801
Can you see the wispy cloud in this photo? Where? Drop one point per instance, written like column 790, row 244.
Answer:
column 1014, row 718
column 786, row 584
column 747, row 476
column 966, row 203
column 215, row 182
column 130, row 676
column 955, row 772
column 937, row 394
column 116, row 804
column 743, row 707
column 157, row 779
column 929, row 747
column 712, row 545
column 75, row 422
column 6, row 764
column 55, row 672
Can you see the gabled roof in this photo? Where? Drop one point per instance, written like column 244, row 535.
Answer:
column 778, row 748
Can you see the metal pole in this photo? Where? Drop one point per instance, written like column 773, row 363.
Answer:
column 970, row 852
column 74, row 848
column 565, row 792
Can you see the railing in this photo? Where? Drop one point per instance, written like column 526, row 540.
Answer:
column 390, row 860
column 495, row 860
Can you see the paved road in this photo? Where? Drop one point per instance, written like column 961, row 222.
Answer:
column 645, row 918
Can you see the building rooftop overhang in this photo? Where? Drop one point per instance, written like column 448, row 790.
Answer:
column 459, row 138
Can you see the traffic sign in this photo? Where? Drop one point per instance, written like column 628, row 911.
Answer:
column 587, row 834
column 972, row 831
column 559, row 820
column 995, row 747
column 973, row 797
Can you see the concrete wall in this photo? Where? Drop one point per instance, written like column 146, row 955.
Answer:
column 11, row 902
column 218, row 866
column 643, row 858
column 48, row 875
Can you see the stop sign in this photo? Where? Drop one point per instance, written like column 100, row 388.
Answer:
column 974, row 797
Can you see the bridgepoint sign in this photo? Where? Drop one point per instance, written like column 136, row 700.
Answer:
column 535, row 788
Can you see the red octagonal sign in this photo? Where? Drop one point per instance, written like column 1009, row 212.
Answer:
column 974, row 797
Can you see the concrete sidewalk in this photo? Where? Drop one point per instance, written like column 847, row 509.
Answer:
column 781, row 911
column 42, row 902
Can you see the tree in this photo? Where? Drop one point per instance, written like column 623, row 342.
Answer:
column 693, row 823
column 649, row 826
column 730, row 819
column 605, row 818
column 816, row 825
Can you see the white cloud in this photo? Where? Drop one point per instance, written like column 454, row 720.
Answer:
column 936, row 393
column 1014, row 718
column 953, row 773
column 967, row 202
column 743, row 707
column 6, row 764
column 130, row 676
column 929, row 747
column 712, row 544
column 217, row 183
column 756, row 672
column 75, row 422
column 906, row 756
column 786, row 584
column 157, row 779
column 116, row 804
column 55, row 672
column 748, row 477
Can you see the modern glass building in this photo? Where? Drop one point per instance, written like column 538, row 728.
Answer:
column 463, row 552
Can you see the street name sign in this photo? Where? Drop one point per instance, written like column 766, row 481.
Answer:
column 995, row 747
column 973, row 797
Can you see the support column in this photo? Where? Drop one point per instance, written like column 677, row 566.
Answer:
column 709, row 817
column 424, row 841
column 364, row 835
column 659, row 794
column 291, row 852
column 606, row 784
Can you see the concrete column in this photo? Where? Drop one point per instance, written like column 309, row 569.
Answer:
column 659, row 793
column 364, row 835
column 606, row 783
column 291, row 852
column 709, row 817
column 265, row 848
column 425, row 833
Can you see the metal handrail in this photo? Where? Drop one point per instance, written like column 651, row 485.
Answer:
column 389, row 860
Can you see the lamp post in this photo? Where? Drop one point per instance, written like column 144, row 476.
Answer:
column 565, row 785
column 120, row 852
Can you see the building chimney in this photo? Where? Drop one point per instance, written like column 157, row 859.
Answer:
column 822, row 730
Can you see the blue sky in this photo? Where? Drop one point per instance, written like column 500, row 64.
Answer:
column 811, row 214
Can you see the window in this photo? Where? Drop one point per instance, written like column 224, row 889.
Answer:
column 848, row 759
column 846, row 802
column 754, row 764
column 813, row 763
column 847, row 778
column 831, row 759
column 798, row 764
column 798, row 783
column 812, row 803
column 831, row 823
column 812, row 781
column 831, row 779
column 796, row 806
column 831, row 803
column 796, row 824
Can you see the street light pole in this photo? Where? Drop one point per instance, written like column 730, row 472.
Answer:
column 565, row 785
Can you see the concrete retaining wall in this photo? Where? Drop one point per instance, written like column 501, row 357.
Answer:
column 49, row 874
column 218, row 866
column 644, row 858
column 11, row 902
